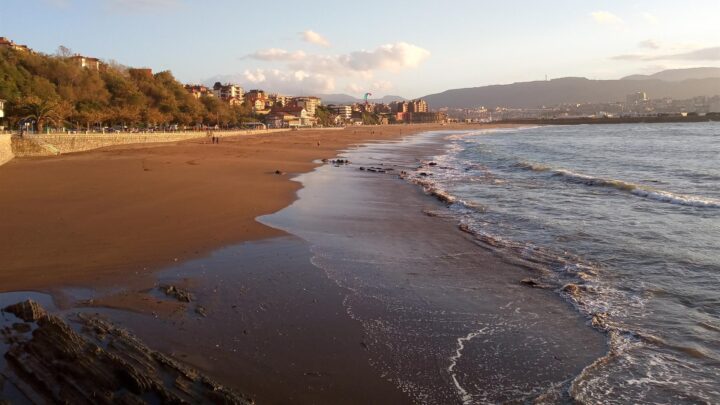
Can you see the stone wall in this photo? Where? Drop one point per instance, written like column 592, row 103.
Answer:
column 6, row 152
column 55, row 144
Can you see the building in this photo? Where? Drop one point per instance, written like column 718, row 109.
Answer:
column 308, row 103
column 228, row 92
column 342, row 111
column 279, row 100
column 2, row 114
column 400, row 106
column 198, row 90
column 418, row 106
column 86, row 62
column 6, row 43
column 637, row 98
column 292, row 116
column 426, row 117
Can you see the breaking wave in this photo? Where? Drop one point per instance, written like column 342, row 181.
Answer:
column 632, row 188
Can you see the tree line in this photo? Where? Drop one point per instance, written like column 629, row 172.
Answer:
column 55, row 91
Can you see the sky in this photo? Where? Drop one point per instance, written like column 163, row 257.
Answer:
column 396, row 47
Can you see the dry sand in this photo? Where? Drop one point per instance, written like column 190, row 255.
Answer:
column 114, row 214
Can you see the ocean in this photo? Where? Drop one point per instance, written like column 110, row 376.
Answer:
column 622, row 221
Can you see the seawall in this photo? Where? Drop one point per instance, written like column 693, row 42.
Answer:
column 56, row 144
column 6, row 152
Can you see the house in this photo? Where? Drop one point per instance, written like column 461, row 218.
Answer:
column 6, row 43
column 198, row 90
column 308, row 103
column 293, row 116
column 232, row 93
column 86, row 62
column 2, row 113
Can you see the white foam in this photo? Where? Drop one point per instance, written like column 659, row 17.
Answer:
column 640, row 191
column 464, row 395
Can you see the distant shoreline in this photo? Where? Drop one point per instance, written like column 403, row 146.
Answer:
column 612, row 120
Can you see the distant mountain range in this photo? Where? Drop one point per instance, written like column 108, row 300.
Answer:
column 677, row 83
column 679, row 75
column 348, row 99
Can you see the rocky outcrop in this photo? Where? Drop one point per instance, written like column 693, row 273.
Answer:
column 90, row 361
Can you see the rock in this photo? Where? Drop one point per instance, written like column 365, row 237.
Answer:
column 432, row 164
column 572, row 289
column 22, row 327
column 278, row 172
column 175, row 292
column 531, row 282
column 28, row 311
column 98, row 363
column 362, row 168
column 424, row 174
column 200, row 310
column 599, row 320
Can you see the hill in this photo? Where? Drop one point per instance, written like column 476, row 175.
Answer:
column 570, row 90
column 54, row 90
column 678, row 75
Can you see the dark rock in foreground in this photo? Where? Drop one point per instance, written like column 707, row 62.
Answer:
column 98, row 364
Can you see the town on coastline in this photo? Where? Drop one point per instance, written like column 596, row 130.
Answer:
column 154, row 102
column 637, row 105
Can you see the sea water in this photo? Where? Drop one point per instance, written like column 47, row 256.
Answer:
column 621, row 220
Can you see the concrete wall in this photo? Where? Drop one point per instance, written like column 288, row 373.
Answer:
column 6, row 152
column 55, row 144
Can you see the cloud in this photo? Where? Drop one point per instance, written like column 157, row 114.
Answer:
column 702, row 54
column 382, row 86
column 300, row 72
column 391, row 57
column 650, row 18
column 711, row 53
column 354, row 88
column 293, row 82
column 275, row 54
column 606, row 17
column 649, row 44
column 314, row 38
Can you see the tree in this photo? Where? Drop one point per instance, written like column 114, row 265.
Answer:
column 41, row 111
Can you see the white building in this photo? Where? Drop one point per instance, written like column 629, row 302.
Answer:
column 342, row 111
column 308, row 103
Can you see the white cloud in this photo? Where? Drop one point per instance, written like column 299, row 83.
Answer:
column 314, row 38
column 275, row 54
column 650, row 18
column 606, row 17
column 391, row 57
column 354, row 88
column 382, row 86
column 300, row 72
column 649, row 44
column 292, row 82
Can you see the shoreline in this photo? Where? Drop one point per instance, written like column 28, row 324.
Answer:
column 298, row 327
column 103, row 214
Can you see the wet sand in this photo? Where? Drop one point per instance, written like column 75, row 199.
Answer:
column 117, row 213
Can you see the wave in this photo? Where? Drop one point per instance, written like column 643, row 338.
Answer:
column 632, row 188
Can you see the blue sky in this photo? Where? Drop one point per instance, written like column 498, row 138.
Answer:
column 385, row 47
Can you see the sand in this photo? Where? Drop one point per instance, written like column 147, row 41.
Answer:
column 118, row 213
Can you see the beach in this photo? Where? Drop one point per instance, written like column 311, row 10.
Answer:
column 98, row 216
column 345, row 284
